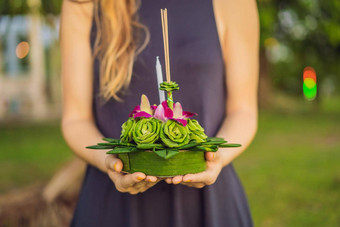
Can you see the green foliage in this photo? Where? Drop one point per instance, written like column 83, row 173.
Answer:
column 296, row 34
column 14, row 7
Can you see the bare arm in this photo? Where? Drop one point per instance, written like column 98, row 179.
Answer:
column 239, row 35
column 238, row 28
column 77, row 120
column 78, row 125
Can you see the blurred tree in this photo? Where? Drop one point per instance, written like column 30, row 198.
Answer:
column 299, row 33
column 13, row 7
column 41, row 12
column 294, row 34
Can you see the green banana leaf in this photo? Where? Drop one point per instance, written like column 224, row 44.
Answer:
column 111, row 140
column 120, row 150
column 98, row 147
column 166, row 153
column 151, row 164
column 230, row 145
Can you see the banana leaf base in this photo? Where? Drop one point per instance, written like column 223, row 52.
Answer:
column 151, row 164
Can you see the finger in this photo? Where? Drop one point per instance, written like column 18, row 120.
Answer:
column 151, row 179
column 207, row 177
column 198, row 177
column 150, row 184
column 129, row 180
column 210, row 156
column 177, row 179
column 194, row 185
column 134, row 192
column 114, row 176
column 113, row 163
column 168, row 180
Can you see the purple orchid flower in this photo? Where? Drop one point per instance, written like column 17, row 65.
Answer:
column 164, row 113
column 144, row 109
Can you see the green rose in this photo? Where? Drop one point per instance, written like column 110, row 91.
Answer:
column 174, row 134
column 146, row 130
column 196, row 131
column 127, row 128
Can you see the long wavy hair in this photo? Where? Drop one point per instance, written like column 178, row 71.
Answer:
column 120, row 38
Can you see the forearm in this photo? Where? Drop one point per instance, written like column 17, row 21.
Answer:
column 238, row 127
column 81, row 133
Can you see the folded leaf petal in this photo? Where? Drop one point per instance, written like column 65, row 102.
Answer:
column 174, row 134
column 146, row 131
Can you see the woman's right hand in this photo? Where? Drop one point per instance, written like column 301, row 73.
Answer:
column 132, row 183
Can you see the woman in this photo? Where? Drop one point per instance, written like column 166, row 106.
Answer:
column 214, row 58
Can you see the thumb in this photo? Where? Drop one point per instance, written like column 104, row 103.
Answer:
column 113, row 163
column 210, row 156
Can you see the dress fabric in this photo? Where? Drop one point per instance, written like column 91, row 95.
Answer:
column 197, row 66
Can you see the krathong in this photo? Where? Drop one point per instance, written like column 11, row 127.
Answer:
column 162, row 140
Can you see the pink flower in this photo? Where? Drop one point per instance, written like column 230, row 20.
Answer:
column 164, row 113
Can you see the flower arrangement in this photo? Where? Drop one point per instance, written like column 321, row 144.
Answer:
column 161, row 133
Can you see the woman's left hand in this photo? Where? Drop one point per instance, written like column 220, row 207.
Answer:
column 207, row 177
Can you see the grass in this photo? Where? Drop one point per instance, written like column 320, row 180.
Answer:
column 30, row 154
column 291, row 172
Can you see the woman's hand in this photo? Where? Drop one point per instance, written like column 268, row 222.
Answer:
column 132, row 183
column 207, row 177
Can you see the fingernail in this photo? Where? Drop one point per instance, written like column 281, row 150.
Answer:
column 187, row 181
column 140, row 178
column 115, row 166
column 213, row 155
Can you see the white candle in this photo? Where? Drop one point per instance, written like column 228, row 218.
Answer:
column 159, row 79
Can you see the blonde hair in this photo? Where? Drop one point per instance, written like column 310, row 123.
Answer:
column 117, row 43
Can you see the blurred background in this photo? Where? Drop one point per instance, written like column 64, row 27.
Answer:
column 291, row 172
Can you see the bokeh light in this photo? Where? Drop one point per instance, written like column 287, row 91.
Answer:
column 309, row 83
column 22, row 49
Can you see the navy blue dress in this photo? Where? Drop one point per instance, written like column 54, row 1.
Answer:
column 197, row 66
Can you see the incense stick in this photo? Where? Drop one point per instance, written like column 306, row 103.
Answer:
column 164, row 16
